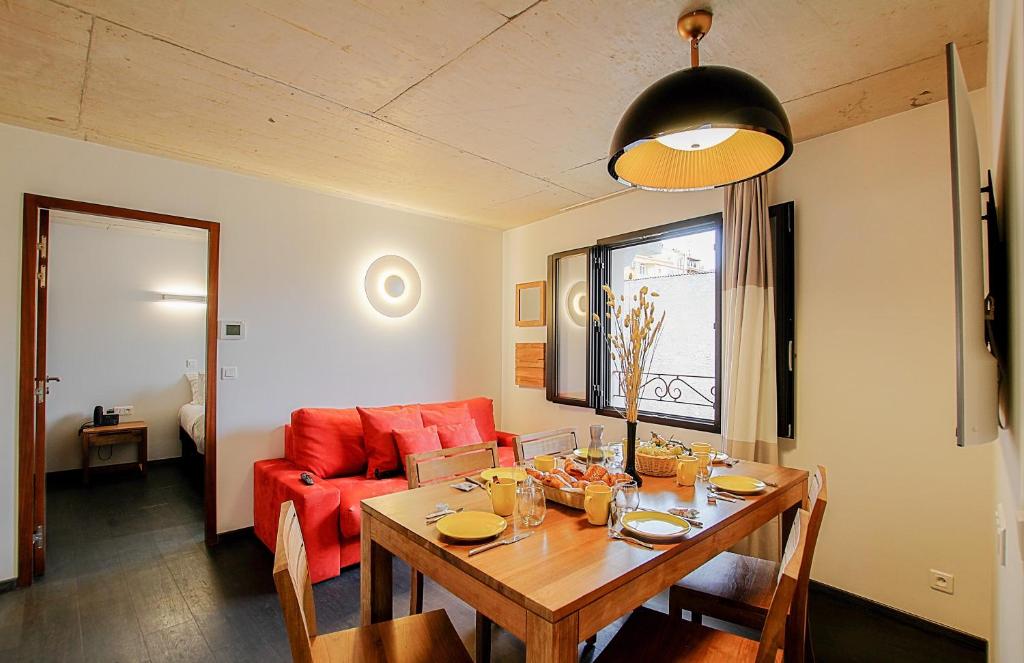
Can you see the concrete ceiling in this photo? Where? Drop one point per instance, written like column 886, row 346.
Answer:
column 496, row 112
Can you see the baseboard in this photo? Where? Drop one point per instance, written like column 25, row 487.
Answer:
column 8, row 585
column 932, row 628
column 75, row 475
column 235, row 534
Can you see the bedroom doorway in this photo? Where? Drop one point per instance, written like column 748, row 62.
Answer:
column 100, row 438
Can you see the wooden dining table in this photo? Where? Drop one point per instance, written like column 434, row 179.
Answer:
column 567, row 580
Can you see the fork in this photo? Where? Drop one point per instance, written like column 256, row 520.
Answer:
column 629, row 539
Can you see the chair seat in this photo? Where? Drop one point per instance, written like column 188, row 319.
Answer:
column 733, row 588
column 422, row 638
column 652, row 636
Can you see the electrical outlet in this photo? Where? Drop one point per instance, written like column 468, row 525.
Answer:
column 124, row 410
column 941, row 581
column 228, row 372
column 191, row 364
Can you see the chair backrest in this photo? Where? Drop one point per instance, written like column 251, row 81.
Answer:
column 817, row 494
column 555, row 441
column 773, row 633
column 433, row 466
column 294, row 588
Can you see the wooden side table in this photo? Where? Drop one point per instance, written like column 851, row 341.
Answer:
column 129, row 432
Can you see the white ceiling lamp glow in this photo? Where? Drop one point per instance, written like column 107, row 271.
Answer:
column 392, row 286
column 696, row 139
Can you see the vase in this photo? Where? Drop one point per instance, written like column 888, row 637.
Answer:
column 631, row 453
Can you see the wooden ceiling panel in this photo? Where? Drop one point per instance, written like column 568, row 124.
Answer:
column 545, row 93
column 361, row 54
column 149, row 94
column 43, row 49
column 886, row 94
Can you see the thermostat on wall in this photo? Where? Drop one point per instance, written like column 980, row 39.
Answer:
column 232, row 330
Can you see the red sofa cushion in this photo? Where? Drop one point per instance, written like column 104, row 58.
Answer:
column 327, row 442
column 378, row 424
column 416, row 441
column 445, row 414
column 459, row 435
column 480, row 408
column 506, row 456
column 355, row 489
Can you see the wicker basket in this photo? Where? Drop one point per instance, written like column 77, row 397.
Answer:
column 656, row 466
column 571, row 499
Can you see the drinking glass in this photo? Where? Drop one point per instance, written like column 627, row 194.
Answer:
column 627, row 496
column 530, row 504
column 705, row 465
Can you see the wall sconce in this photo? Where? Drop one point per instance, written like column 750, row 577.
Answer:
column 576, row 303
column 392, row 286
column 196, row 299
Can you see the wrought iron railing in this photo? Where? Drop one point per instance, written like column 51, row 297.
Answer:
column 681, row 389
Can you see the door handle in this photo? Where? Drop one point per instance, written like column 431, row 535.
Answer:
column 50, row 379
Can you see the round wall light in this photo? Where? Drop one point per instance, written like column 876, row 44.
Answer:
column 576, row 303
column 392, row 286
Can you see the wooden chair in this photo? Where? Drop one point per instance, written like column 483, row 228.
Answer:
column 738, row 589
column 422, row 638
column 652, row 636
column 440, row 465
column 556, row 441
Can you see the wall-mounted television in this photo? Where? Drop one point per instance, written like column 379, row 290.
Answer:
column 977, row 251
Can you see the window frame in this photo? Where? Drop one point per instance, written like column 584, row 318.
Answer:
column 551, row 349
column 601, row 360
column 782, row 221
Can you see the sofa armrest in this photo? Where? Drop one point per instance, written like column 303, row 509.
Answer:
column 277, row 481
column 506, row 439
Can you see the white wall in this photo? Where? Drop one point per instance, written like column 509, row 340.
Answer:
column 113, row 341
column 1006, row 77
column 875, row 368
column 292, row 265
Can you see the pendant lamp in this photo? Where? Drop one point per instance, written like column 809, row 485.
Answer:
column 699, row 128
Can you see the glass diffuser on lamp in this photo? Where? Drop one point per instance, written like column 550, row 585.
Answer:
column 632, row 337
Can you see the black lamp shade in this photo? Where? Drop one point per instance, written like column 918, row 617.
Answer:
column 686, row 102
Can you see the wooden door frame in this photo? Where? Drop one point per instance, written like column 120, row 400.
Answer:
column 27, row 351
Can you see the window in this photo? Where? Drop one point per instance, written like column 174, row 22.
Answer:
column 682, row 262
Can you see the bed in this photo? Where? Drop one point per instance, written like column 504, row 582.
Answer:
column 192, row 429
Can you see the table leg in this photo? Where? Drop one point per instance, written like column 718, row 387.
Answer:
column 483, row 638
column 375, row 586
column 548, row 642
column 85, row 460
column 143, row 452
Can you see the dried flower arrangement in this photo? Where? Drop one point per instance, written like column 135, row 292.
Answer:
column 633, row 338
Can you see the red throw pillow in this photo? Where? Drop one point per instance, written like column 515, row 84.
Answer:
column 444, row 415
column 481, row 409
column 378, row 424
column 327, row 442
column 459, row 435
column 416, row 441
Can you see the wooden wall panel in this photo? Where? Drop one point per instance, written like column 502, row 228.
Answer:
column 530, row 365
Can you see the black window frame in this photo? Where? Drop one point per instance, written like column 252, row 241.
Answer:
column 782, row 226
column 602, row 363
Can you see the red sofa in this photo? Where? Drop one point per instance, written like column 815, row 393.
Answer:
column 329, row 444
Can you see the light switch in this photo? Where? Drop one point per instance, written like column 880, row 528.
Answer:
column 228, row 372
column 191, row 364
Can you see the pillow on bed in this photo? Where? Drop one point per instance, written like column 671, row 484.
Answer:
column 197, row 381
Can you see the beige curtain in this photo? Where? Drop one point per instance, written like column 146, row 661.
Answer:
column 749, row 414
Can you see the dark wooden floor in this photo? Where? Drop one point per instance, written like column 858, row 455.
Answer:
column 129, row 579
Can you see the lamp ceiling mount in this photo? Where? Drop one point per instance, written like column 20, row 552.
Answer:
column 694, row 26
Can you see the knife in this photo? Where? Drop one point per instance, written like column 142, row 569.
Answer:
column 727, row 494
column 500, row 542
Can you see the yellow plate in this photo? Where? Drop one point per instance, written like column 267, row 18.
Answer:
column 516, row 473
column 738, row 484
column 655, row 525
column 583, row 454
column 471, row 525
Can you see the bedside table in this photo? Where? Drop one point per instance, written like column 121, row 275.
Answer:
column 130, row 432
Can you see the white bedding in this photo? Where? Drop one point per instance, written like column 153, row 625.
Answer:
column 193, row 422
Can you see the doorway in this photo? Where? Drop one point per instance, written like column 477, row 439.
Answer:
column 34, row 381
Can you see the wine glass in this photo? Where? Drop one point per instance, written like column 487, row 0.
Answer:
column 627, row 496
